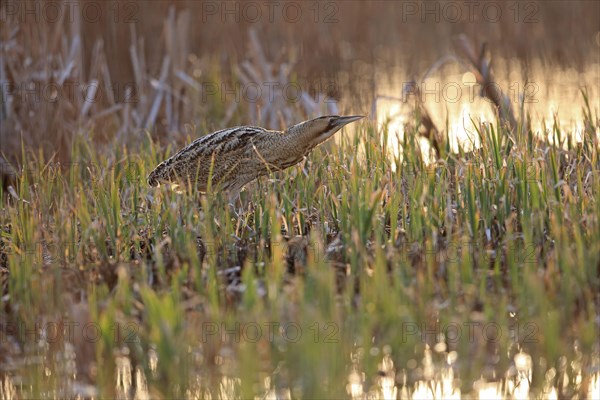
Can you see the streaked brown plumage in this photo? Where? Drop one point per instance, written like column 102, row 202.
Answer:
column 239, row 155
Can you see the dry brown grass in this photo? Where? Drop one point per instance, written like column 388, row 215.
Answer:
column 143, row 60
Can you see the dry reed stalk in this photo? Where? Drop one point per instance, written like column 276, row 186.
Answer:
column 481, row 66
column 43, row 74
column 278, row 111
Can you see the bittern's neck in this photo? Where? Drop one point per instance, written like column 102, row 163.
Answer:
column 306, row 133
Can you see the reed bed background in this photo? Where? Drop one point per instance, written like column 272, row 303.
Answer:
column 114, row 289
column 114, row 69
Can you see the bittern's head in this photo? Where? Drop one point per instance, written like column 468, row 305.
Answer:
column 320, row 129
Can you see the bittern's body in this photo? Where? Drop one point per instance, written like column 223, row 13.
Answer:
column 236, row 156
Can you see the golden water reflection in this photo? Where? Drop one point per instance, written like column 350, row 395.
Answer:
column 436, row 381
column 548, row 94
column 440, row 382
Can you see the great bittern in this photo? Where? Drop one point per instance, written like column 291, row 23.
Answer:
column 236, row 156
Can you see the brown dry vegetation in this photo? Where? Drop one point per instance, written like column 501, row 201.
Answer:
column 137, row 44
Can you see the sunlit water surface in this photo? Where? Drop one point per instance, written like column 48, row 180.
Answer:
column 546, row 94
column 437, row 381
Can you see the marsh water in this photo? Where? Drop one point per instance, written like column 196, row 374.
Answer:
column 548, row 94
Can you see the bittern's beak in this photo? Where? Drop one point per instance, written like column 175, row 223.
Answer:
column 346, row 120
